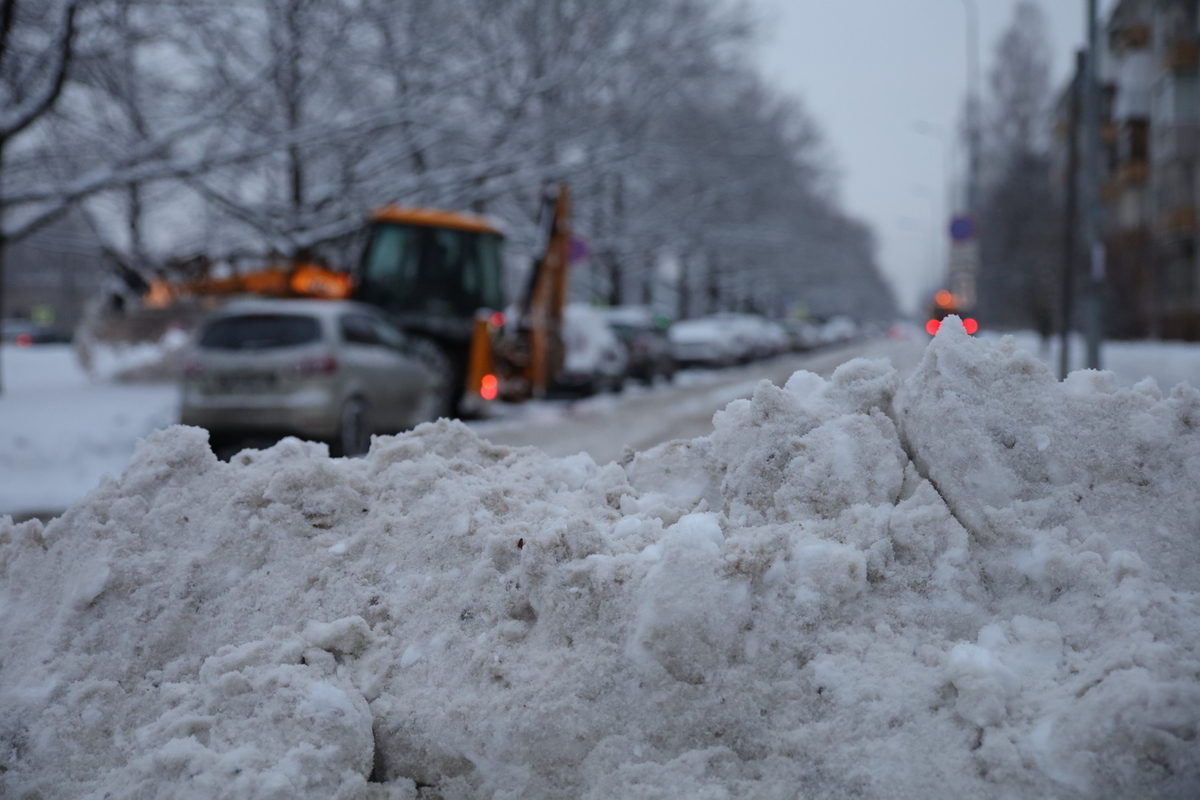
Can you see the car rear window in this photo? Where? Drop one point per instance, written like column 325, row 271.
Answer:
column 260, row 332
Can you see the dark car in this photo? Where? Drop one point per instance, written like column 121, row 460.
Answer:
column 24, row 332
column 644, row 335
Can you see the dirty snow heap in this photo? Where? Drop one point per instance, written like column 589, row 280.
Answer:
column 979, row 582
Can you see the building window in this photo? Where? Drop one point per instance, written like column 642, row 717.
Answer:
column 1177, row 100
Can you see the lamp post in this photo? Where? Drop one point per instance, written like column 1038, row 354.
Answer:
column 949, row 176
column 1093, row 213
column 922, row 190
column 973, row 105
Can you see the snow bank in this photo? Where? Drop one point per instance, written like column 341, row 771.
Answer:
column 980, row 582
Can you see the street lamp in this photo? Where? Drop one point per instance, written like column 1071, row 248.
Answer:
column 973, row 104
column 935, row 258
column 949, row 157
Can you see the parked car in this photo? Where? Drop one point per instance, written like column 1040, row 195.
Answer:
column 703, row 342
column 595, row 360
column 839, row 329
column 727, row 338
column 644, row 335
column 24, row 332
column 803, row 336
column 332, row 371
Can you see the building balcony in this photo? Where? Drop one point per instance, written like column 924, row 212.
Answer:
column 1180, row 55
column 1110, row 191
column 1134, row 37
column 1175, row 142
column 1180, row 219
column 1133, row 173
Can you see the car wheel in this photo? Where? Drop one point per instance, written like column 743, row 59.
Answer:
column 354, row 430
column 439, row 398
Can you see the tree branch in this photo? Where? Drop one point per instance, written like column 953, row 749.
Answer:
column 16, row 119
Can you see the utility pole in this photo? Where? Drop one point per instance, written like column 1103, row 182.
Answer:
column 1093, row 215
column 3, row 247
column 974, row 129
column 964, row 228
column 1070, row 215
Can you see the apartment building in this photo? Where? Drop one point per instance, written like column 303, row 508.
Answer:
column 1151, row 149
column 1150, row 142
column 1174, row 156
column 53, row 273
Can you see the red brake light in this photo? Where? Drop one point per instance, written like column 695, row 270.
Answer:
column 970, row 325
column 932, row 326
column 24, row 340
column 489, row 387
column 317, row 365
column 497, row 320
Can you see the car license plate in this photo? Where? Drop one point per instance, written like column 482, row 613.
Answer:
column 246, row 384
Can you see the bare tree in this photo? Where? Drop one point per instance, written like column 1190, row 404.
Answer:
column 1018, row 240
column 274, row 125
column 32, row 77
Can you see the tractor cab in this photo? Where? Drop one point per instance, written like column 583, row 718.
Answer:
column 432, row 271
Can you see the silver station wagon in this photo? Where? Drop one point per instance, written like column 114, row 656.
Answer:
column 327, row 370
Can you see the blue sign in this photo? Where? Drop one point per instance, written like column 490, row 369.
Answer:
column 962, row 228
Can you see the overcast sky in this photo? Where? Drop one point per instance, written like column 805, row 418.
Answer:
column 870, row 71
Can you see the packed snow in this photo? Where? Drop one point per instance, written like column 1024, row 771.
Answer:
column 975, row 582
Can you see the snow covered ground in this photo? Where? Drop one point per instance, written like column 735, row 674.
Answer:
column 60, row 432
column 1168, row 363
column 975, row 581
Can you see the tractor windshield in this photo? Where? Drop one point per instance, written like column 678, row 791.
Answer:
column 414, row 269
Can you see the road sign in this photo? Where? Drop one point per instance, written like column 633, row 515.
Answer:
column 578, row 250
column 962, row 228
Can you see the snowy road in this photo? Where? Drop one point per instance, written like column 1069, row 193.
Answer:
column 640, row 418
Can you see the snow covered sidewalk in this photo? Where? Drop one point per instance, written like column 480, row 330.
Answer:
column 977, row 582
column 60, row 432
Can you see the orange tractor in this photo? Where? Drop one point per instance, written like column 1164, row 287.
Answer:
column 439, row 276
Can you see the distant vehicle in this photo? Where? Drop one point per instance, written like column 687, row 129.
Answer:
column 702, row 342
column 803, row 336
column 839, row 329
column 944, row 304
column 437, row 274
column 644, row 335
column 335, row 371
column 25, row 333
column 720, row 340
column 595, row 360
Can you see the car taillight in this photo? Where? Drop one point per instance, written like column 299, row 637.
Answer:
column 489, row 387
column 317, row 365
column 970, row 325
column 24, row 340
column 932, row 326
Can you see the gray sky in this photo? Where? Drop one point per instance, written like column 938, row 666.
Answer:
column 869, row 71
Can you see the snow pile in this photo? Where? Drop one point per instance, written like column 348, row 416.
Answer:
column 787, row 607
